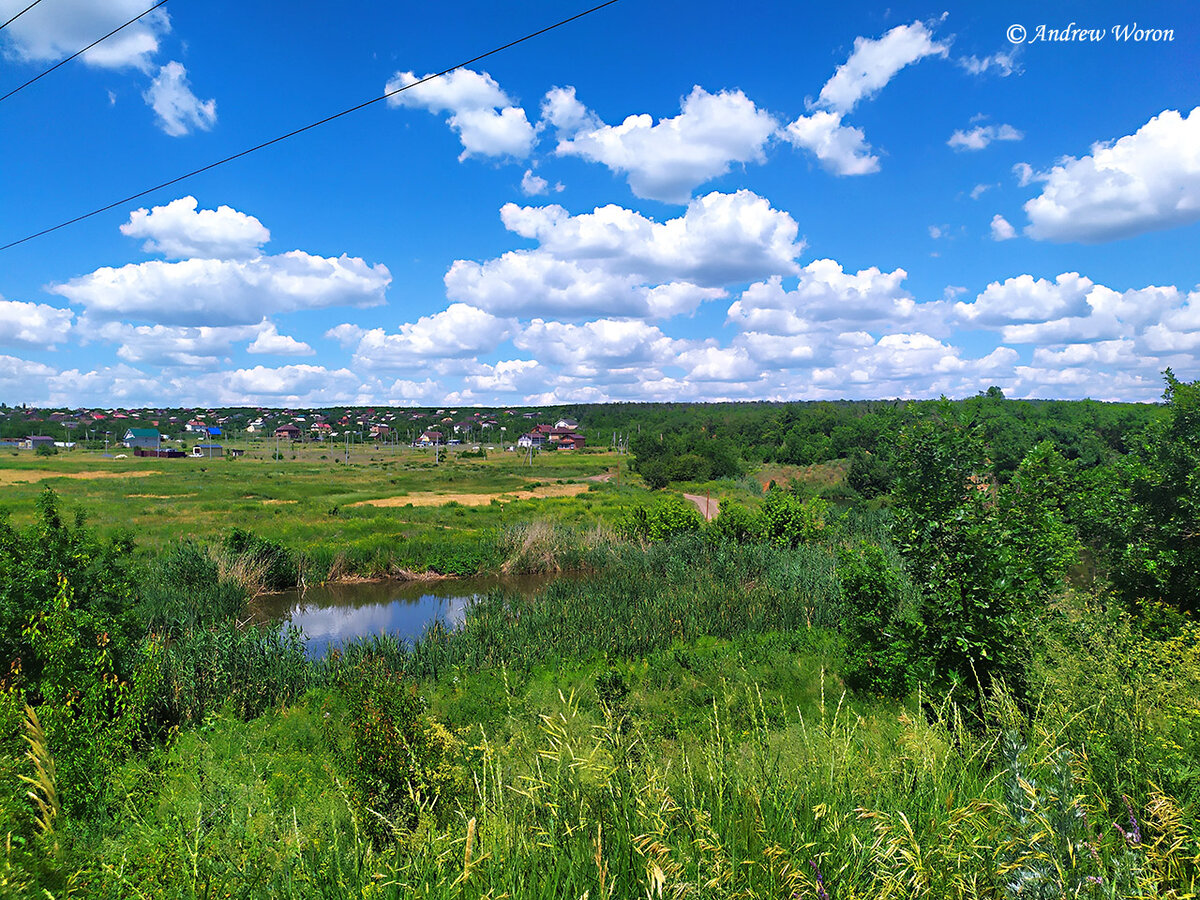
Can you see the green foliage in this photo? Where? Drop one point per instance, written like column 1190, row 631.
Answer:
column 400, row 763
column 1130, row 696
column 72, row 647
column 32, row 562
column 94, row 713
column 666, row 518
column 1155, row 554
column 683, row 456
column 735, row 523
column 46, row 450
column 788, row 521
column 882, row 626
column 984, row 558
column 869, row 474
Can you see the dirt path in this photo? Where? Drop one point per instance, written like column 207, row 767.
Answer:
column 709, row 508
column 602, row 477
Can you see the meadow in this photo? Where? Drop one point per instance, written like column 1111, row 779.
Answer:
column 314, row 499
column 816, row 694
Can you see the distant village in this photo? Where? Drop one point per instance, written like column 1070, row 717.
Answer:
column 211, row 433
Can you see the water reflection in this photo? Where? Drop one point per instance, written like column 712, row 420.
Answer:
column 334, row 614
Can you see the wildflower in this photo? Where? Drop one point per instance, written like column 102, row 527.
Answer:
column 822, row 894
column 1133, row 836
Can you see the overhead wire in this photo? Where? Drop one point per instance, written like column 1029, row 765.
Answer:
column 79, row 53
column 21, row 13
column 309, row 127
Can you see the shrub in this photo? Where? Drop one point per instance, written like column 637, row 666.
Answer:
column 400, row 763
column 735, row 523
column 788, row 521
column 668, row 517
column 882, row 622
column 94, row 713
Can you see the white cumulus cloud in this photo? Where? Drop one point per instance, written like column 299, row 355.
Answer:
column 167, row 345
column 271, row 342
column 842, row 149
column 33, row 324
column 458, row 332
column 1002, row 229
column 532, row 185
column 825, row 295
column 1145, row 181
column 50, row 32
column 226, row 291
column 614, row 261
column 179, row 230
column 668, row 159
column 1025, row 299
column 594, row 348
column 486, row 120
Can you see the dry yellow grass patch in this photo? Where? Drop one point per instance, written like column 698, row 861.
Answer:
column 158, row 496
column 431, row 499
column 275, row 502
column 18, row 476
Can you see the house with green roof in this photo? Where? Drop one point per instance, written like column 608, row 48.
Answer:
column 142, row 437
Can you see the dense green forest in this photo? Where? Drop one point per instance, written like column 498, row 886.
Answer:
column 973, row 670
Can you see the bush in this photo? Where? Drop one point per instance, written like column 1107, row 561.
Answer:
column 788, row 521
column 94, row 714
column 46, row 450
column 400, row 762
column 735, row 523
column 882, row 622
column 33, row 559
column 668, row 517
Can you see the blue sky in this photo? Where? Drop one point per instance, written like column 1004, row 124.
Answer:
column 659, row 201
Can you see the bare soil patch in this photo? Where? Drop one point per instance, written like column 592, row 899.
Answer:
column 430, row 499
column 19, row 476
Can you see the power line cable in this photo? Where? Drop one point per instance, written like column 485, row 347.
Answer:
column 81, row 52
column 21, row 13
column 309, row 127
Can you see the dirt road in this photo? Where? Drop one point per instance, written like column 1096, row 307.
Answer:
column 708, row 507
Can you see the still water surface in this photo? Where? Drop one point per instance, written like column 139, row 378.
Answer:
column 333, row 614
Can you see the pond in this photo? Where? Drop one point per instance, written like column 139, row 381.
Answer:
column 332, row 614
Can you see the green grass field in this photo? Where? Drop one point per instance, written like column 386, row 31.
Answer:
column 307, row 500
column 386, row 509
